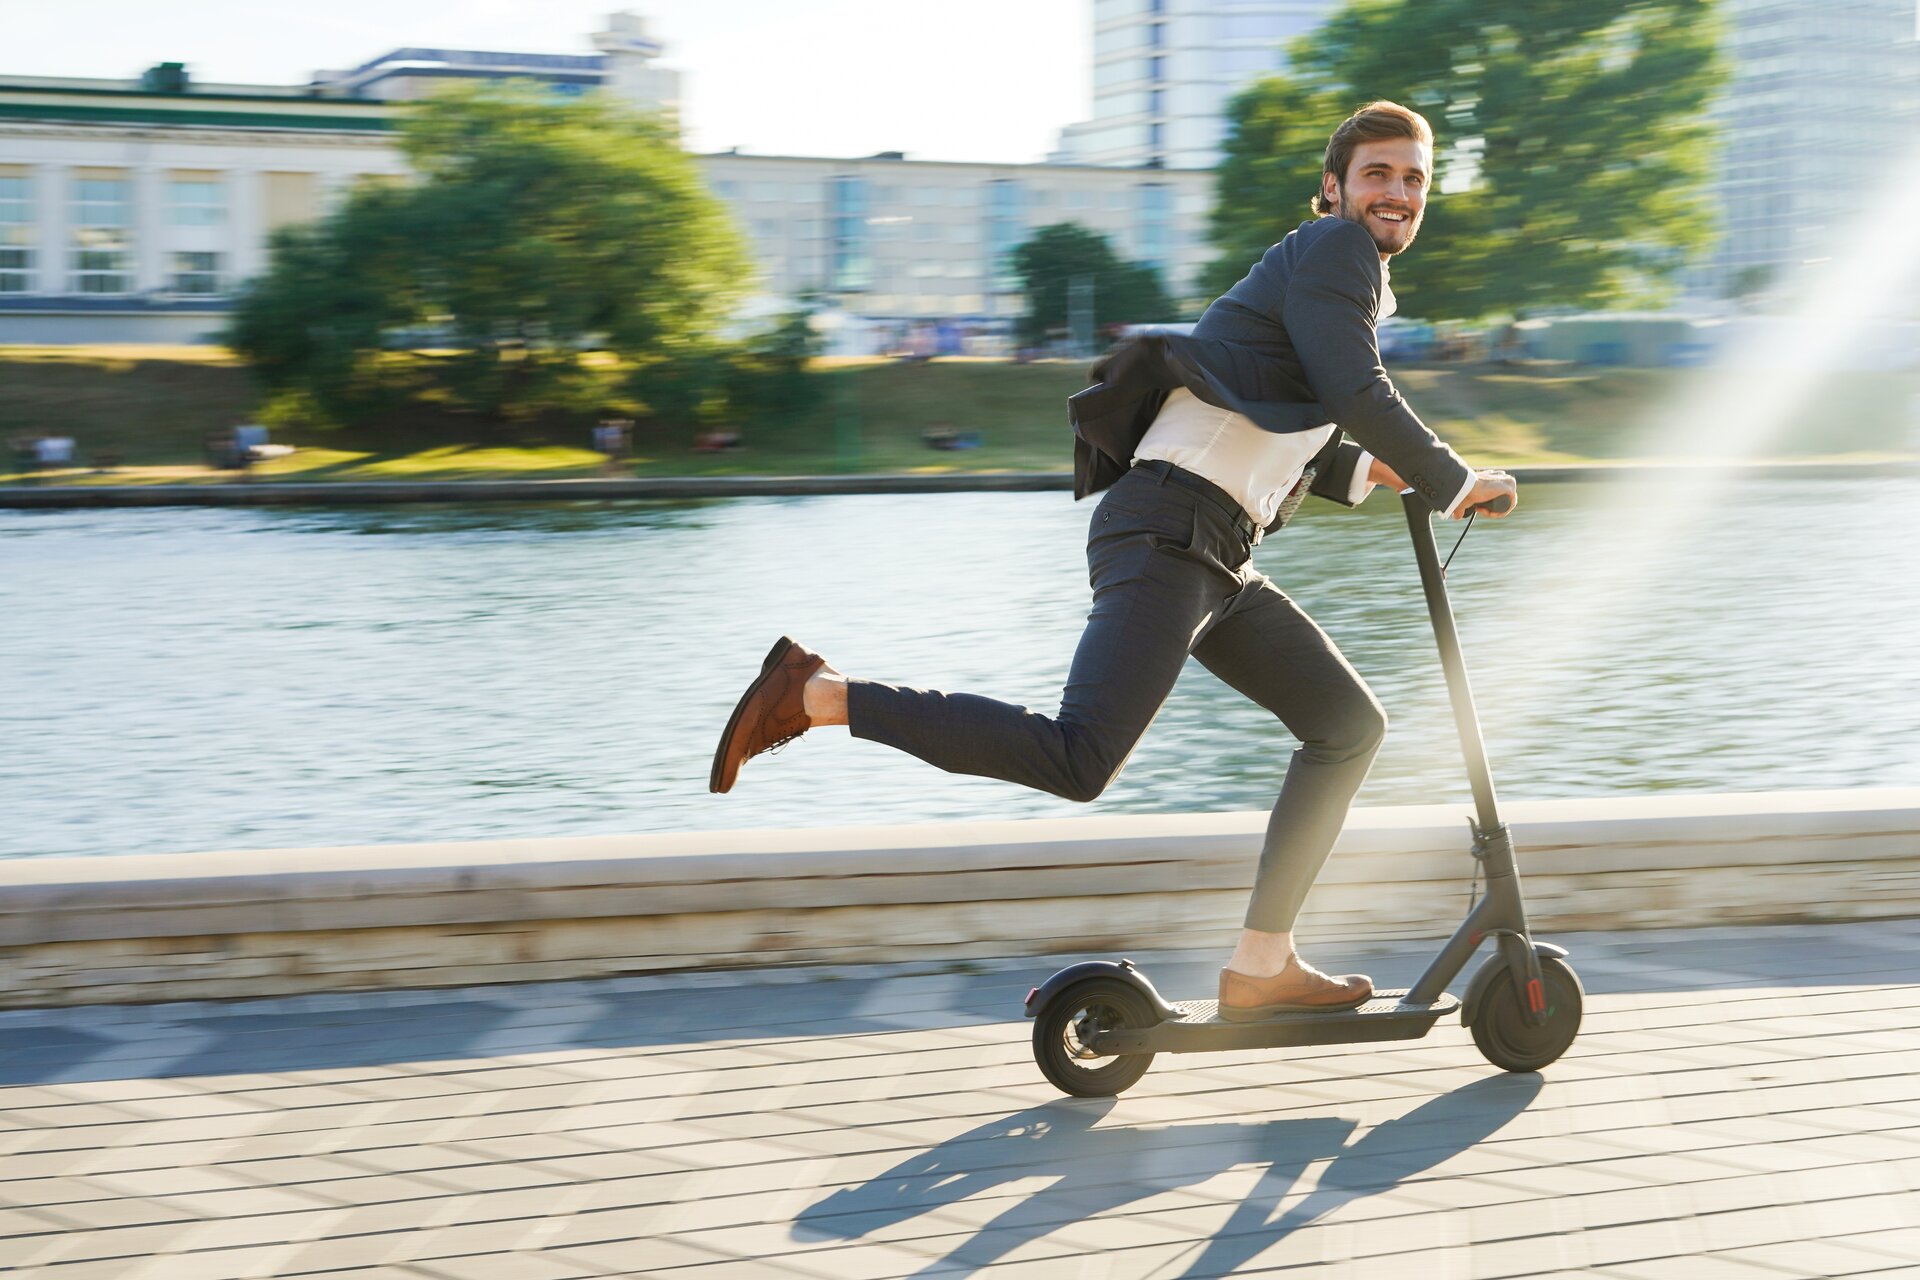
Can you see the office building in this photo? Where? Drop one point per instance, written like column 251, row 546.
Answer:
column 1163, row 71
column 1822, row 105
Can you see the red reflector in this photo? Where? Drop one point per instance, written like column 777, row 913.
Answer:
column 1535, row 996
column 1031, row 994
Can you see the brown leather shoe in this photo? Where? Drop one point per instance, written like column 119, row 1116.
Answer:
column 1295, row 989
column 771, row 713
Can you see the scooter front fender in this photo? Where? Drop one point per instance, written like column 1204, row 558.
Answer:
column 1491, row 970
column 1123, row 970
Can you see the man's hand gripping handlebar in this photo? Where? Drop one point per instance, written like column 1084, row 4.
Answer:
column 1494, row 494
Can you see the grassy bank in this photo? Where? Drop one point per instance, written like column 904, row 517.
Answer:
column 153, row 406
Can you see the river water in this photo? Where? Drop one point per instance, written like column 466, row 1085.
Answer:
column 256, row 678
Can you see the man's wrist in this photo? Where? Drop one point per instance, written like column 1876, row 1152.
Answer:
column 1363, row 478
column 1458, row 498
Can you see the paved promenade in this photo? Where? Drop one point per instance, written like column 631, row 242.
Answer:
column 1741, row 1103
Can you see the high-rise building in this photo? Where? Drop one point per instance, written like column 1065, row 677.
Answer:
column 1164, row 69
column 1823, row 101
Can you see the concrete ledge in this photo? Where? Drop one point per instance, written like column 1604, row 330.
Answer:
column 180, row 926
column 260, row 493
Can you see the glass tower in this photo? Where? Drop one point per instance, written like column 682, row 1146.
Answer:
column 1164, row 69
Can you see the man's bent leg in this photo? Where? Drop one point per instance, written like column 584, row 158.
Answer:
column 1271, row 651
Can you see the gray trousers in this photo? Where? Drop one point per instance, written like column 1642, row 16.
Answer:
column 1171, row 576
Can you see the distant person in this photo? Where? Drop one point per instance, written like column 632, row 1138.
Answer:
column 1205, row 443
column 613, row 436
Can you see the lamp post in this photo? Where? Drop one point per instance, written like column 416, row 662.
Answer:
column 846, row 409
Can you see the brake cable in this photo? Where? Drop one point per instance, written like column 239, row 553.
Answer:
column 1456, row 545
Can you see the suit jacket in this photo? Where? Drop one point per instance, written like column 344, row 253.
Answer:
column 1292, row 348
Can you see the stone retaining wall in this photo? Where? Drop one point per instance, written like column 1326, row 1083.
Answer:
column 191, row 926
column 256, row 491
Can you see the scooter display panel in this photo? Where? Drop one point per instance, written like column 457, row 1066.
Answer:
column 1201, row 1029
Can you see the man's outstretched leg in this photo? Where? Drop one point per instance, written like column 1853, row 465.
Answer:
column 1151, row 597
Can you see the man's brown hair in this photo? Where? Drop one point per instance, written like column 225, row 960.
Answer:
column 1370, row 123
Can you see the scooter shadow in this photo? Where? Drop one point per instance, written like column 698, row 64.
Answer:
column 1099, row 1170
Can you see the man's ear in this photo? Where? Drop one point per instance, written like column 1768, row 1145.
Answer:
column 1329, row 192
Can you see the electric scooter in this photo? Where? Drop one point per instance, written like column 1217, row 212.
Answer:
column 1098, row 1025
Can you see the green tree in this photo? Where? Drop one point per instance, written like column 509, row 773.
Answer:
column 1056, row 256
column 541, row 238
column 767, row 378
column 1573, row 145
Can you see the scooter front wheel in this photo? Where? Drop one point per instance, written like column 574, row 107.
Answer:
column 1500, row 1027
column 1063, row 1032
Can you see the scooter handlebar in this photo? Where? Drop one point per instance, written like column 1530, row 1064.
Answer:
column 1498, row 507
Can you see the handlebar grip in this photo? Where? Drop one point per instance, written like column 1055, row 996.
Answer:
column 1499, row 506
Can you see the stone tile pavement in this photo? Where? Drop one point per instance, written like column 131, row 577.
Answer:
column 1741, row 1103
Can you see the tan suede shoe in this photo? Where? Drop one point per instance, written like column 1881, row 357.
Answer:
column 771, row 713
column 1298, row 988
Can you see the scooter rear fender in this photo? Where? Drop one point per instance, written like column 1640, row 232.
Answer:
column 1123, row 970
column 1477, row 989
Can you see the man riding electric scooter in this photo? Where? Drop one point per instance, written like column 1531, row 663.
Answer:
column 1204, row 444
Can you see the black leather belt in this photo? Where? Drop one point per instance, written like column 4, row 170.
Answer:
column 1206, row 488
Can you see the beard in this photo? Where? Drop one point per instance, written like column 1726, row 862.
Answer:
column 1389, row 238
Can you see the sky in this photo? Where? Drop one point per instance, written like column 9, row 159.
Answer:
column 985, row 80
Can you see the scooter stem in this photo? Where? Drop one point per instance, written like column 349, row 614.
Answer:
column 1433, row 580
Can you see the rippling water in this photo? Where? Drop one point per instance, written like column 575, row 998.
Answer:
column 202, row 679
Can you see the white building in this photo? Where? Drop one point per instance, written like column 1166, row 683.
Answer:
column 1163, row 71
column 893, row 241
column 130, row 210
column 128, row 215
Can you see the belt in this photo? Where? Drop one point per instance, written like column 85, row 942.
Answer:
column 1169, row 473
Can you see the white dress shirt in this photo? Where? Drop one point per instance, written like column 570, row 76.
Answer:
column 1257, row 468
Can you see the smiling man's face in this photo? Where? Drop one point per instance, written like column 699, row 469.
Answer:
column 1385, row 190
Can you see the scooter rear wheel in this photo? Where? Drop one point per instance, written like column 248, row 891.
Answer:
column 1500, row 1026
column 1071, row 1019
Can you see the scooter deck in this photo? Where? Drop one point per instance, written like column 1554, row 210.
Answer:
column 1201, row 1029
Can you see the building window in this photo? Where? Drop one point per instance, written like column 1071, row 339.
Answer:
column 102, row 251
column 197, row 201
column 1156, row 68
column 16, row 233
column 195, row 275
column 1156, row 102
column 1156, row 135
column 852, row 261
column 291, row 197
column 1006, row 227
column 1153, row 225
column 1157, row 36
